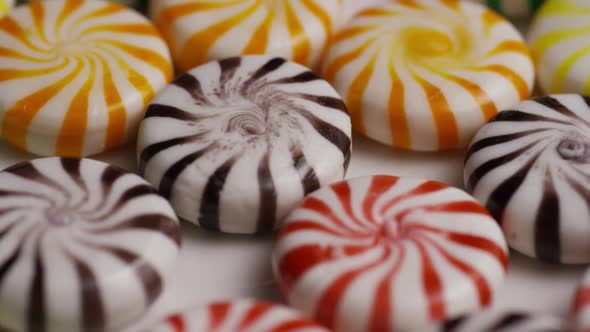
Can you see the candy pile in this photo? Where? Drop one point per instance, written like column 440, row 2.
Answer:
column 253, row 134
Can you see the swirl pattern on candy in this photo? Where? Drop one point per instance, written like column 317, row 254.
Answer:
column 424, row 75
column 84, row 246
column 238, row 316
column 493, row 320
column 75, row 75
column 536, row 156
column 235, row 144
column 383, row 253
column 200, row 31
column 560, row 43
column 581, row 305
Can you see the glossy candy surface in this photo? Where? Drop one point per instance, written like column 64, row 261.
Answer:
column 84, row 246
column 560, row 42
column 529, row 167
column 236, row 143
column 383, row 253
column 425, row 75
column 76, row 75
column 200, row 31
column 238, row 316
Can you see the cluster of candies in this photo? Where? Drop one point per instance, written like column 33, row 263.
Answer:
column 254, row 143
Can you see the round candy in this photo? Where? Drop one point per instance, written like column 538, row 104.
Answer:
column 76, row 75
column 494, row 320
column 383, row 253
column 581, row 305
column 235, row 144
column 425, row 75
column 516, row 9
column 238, row 316
column 84, row 246
column 536, row 155
column 560, row 43
column 200, row 31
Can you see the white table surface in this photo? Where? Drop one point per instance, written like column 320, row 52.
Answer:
column 216, row 266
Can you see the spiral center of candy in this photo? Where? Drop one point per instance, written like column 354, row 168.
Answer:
column 60, row 217
column 574, row 148
column 248, row 122
column 425, row 42
column 72, row 48
column 390, row 230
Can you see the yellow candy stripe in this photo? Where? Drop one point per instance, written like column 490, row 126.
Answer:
column 560, row 42
column 428, row 43
column 195, row 30
column 119, row 64
column 3, row 7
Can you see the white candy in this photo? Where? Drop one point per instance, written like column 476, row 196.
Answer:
column 536, row 155
column 84, row 246
column 235, row 144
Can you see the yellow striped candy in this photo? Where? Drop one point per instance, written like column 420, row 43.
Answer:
column 560, row 43
column 426, row 74
column 76, row 75
column 199, row 31
column 5, row 5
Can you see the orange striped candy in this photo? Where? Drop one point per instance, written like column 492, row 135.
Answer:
column 76, row 75
column 199, row 31
column 426, row 74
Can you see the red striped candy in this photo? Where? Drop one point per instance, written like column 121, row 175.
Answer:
column 238, row 316
column 383, row 253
